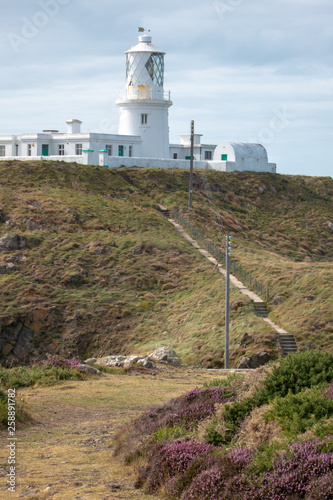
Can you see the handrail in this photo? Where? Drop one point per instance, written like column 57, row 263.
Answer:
column 235, row 267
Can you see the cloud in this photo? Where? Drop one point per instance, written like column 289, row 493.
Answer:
column 229, row 65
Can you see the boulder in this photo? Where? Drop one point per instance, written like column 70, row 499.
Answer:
column 31, row 225
column 91, row 361
column 138, row 249
column 256, row 360
column 166, row 355
column 260, row 359
column 12, row 241
column 123, row 361
column 330, row 226
column 245, row 363
column 112, row 361
column 16, row 259
column 146, row 363
column 278, row 300
column 88, row 369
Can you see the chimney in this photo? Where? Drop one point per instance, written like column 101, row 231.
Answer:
column 73, row 126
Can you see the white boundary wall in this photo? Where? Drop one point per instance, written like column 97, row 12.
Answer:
column 118, row 161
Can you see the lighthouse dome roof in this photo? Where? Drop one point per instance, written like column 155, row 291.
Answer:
column 144, row 45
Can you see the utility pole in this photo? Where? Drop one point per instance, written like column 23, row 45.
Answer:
column 227, row 300
column 191, row 165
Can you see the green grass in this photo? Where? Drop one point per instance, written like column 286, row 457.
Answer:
column 89, row 221
column 41, row 375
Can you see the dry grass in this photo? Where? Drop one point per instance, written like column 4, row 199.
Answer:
column 256, row 431
column 69, row 445
column 89, row 221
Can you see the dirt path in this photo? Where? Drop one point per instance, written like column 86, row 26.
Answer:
column 66, row 452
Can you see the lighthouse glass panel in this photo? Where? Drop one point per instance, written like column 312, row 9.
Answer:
column 155, row 68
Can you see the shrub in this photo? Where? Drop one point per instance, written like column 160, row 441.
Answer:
column 225, row 382
column 324, row 428
column 187, row 469
column 165, row 433
column 43, row 375
column 257, row 429
column 320, row 488
column 187, row 411
column 292, row 474
column 208, row 485
column 170, row 461
column 329, row 392
column 297, row 372
column 296, row 413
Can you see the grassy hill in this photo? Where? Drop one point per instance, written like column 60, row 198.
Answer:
column 103, row 272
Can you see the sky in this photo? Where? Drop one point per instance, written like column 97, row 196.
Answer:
column 244, row 70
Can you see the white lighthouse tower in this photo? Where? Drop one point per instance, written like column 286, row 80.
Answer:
column 144, row 105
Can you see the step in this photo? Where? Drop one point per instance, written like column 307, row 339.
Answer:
column 260, row 309
column 165, row 211
column 287, row 343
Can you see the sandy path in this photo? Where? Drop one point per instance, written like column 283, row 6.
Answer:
column 66, row 452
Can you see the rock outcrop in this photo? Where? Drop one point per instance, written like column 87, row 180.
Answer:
column 166, row 355
column 12, row 241
column 163, row 355
column 256, row 360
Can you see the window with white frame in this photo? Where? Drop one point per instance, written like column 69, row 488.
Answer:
column 108, row 148
column 208, row 155
column 78, row 149
column 2, row 150
column 144, row 119
column 61, row 149
column 29, row 149
column 130, row 151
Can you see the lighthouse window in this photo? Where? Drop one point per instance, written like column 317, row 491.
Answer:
column 108, row 148
column 144, row 119
column 2, row 150
column 208, row 155
column 130, row 151
column 29, row 149
column 61, row 149
column 155, row 68
column 78, row 149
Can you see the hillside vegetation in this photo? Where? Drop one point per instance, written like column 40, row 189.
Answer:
column 267, row 434
column 104, row 273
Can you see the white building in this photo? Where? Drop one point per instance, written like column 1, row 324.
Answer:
column 143, row 134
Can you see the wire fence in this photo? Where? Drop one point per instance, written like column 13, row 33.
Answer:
column 235, row 267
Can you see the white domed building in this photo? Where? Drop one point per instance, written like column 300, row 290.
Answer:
column 143, row 133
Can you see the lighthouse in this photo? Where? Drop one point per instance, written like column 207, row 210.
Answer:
column 144, row 105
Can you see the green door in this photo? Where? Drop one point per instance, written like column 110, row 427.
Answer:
column 121, row 151
column 224, row 157
column 45, row 150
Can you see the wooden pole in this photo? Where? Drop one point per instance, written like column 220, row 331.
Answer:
column 191, row 165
